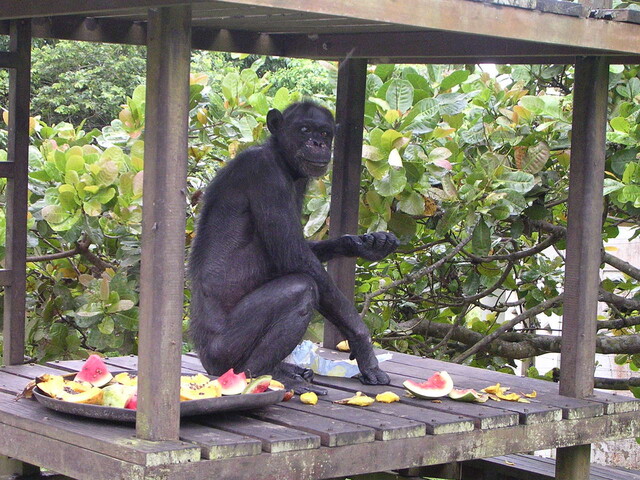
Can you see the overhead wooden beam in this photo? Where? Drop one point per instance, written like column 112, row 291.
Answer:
column 17, row 192
column 163, row 223
column 584, row 245
column 345, row 184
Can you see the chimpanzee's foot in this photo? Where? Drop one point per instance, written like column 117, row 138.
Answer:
column 297, row 379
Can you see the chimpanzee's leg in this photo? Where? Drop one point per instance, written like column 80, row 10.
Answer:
column 263, row 328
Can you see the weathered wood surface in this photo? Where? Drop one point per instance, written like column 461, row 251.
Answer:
column 291, row 440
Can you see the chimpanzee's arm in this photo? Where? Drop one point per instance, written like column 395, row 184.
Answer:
column 371, row 246
column 277, row 223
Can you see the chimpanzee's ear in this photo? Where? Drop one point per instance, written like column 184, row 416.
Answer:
column 274, row 121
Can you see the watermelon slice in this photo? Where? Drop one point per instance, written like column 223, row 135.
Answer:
column 94, row 371
column 437, row 385
column 259, row 385
column 468, row 395
column 232, row 383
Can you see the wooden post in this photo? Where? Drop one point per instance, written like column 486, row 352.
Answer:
column 17, row 192
column 584, row 244
column 345, row 186
column 163, row 222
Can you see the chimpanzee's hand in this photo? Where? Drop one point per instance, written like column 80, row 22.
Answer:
column 370, row 372
column 373, row 246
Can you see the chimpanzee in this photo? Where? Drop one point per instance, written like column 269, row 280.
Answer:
column 255, row 280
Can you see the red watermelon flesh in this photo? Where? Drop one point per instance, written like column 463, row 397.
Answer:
column 132, row 403
column 94, row 371
column 259, row 385
column 232, row 383
column 436, row 386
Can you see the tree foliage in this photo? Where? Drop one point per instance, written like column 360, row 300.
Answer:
column 468, row 168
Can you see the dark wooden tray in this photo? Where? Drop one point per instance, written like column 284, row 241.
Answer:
column 187, row 408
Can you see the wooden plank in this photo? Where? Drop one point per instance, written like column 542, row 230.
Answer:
column 325, row 462
column 345, row 183
column 562, row 8
column 436, row 422
column 584, row 244
column 538, row 411
column 611, row 403
column 483, row 417
column 545, row 408
column 68, row 459
column 216, row 444
column 584, row 224
column 115, row 440
column 274, row 438
column 163, row 223
column 387, row 427
column 618, row 15
column 332, row 432
column 16, row 193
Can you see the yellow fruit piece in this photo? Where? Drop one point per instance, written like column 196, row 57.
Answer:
column 495, row 389
column 359, row 400
column 310, row 398
column 343, row 346
column 511, row 397
column 126, row 378
column 92, row 396
column 387, row 397
column 198, row 379
column 533, row 394
column 196, row 391
column 276, row 385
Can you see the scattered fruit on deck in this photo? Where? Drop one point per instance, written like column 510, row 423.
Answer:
column 436, row 386
column 343, row 346
column 387, row 397
column 310, row 398
column 359, row 400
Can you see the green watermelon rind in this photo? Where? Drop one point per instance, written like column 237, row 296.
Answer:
column 420, row 391
column 467, row 395
column 255, row 383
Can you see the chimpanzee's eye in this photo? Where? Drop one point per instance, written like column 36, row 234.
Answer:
column 305, row 129
column 324, row 133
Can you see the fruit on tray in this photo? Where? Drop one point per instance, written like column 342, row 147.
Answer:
column 436, row 386
column 199, row 386
column 94, row 371
column 117, row 395
column 120, row 391
column 126, row 378
column 232, row 383
column 58, row 387
column 468, row 395
column 259, row 385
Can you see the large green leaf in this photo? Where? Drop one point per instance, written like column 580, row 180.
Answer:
column 520, row 182
column 392, row 183
column 455, row 78
column 481, row 239
column 400, row 95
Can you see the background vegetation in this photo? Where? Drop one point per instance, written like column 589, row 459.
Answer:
column 467, row 165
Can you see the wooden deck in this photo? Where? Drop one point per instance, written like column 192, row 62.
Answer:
column 296, row 441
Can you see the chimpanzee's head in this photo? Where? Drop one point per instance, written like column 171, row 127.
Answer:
column 303, row 133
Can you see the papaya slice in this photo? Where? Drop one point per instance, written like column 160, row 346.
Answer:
column 91, row 396
column 197, row 391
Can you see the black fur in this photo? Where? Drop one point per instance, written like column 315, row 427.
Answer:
column 255, row 280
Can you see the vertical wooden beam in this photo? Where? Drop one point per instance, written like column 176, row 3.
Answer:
column 584, row 244
column 163, row 222
column 345, row 186
column 17, row 192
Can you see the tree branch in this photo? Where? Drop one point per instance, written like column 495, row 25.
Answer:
column 412, row 277
column 532, row 312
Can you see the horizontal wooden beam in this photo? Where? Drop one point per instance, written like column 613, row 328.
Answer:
column 457, row 16
column 416, row 47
